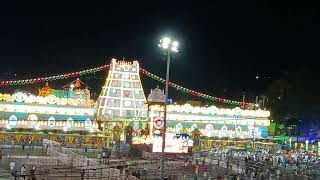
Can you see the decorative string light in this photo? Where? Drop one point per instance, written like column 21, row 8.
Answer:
column 192, row 92
column 53, row 78
column 106, row 67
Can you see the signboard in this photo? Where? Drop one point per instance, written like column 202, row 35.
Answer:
column 174, row 143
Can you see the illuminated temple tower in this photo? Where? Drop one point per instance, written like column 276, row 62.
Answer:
column 122, row 95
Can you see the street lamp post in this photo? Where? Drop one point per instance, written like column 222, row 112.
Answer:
column 169, row 46
column 254, row 123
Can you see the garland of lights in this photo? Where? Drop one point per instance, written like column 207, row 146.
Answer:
column 106, row 67
column 53, row 78
column 192, row 92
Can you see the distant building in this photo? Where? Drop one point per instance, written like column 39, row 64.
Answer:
column 156, row 95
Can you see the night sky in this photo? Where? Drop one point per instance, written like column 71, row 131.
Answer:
column 224, row 44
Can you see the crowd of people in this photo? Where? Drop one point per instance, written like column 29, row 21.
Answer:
column 261, row 161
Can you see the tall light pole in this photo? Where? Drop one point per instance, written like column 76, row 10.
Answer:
column 169, row 46
column 256, row 106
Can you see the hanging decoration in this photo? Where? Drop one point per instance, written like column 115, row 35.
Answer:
column 192, row 92
column 106, row 67
column 53, row 78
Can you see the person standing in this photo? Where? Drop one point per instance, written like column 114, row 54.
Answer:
column 82, row 174
column 108, row 158
column 138, row 174
column 205, row 171
column 30, row 144
column 23, row 171
column 99, row 157
column 278, row 173
column 104, row 156
column 197, row 170
column 32, row 174
column 12, row 166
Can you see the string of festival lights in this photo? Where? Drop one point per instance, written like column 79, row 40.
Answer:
column 53, row 78
column 192, row 92
column 106, row 67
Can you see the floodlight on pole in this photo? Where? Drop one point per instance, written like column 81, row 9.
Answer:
column 169, row 46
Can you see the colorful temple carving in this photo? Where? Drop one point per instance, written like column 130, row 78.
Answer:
column 46, row 90
column 122, row 94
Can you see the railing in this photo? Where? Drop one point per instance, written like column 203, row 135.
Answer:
column 63, row 158
column 92, row 167
column 39, row 160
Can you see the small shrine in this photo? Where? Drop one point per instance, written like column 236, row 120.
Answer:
column 156, row 95
column 46, row 90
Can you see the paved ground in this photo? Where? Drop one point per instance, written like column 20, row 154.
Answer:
column 4, row 172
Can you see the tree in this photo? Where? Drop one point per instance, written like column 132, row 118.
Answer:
column 291, row 97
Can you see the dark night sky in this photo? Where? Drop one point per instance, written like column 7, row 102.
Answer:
column 223, row 43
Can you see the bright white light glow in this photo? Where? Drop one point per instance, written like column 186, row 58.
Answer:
column 165, row 45
column 174, row 49
column 175, row 44
column 166, row 40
